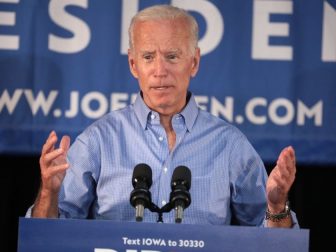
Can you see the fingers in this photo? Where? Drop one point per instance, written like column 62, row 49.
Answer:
column 281, row 178
column 51, row 156
column 287, row 162
column 65, row 143
column 53, row 163
column 54, row 170
column 284, row 172
column 292, row 155
column 50, row 143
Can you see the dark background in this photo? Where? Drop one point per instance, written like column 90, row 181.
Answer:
column 312, row 198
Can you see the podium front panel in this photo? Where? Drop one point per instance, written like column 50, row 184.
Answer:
column 109, row 236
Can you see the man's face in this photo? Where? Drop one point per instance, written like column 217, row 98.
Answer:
column 163, row 62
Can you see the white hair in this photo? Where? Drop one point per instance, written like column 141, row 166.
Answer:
column 165, row 12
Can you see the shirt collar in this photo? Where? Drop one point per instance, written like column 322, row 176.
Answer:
column 141, row 110
column 189, row 113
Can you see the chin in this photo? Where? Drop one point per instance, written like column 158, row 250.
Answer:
column 163, row 100
column 162, row 107
column 162, row 104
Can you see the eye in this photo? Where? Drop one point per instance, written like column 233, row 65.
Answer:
column 172, row 56
column 147, row 57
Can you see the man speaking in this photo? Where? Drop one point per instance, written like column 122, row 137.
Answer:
column 164, row 129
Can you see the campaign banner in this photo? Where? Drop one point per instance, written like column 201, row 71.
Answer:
column 267, row 66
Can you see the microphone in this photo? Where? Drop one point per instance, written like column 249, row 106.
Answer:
column 141, row 197
column 180, row 196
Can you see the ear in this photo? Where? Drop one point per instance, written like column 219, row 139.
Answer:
column 196, row 62
column 131, row 63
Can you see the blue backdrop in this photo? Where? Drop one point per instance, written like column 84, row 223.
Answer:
column 267, row 66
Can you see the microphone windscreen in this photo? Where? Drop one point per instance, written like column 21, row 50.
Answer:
column 142, row 172
column 181, row 175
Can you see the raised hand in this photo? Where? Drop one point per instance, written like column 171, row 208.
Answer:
column 53, row 165
column 280, row 180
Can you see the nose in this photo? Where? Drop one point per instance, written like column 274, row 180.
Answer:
column 160, row 68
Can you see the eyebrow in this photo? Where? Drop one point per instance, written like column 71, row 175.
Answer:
column 178, row 51
column 145, row 52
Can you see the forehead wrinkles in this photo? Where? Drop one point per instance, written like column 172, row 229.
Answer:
column 166, row 34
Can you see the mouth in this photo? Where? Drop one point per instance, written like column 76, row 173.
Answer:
column 161, row 88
